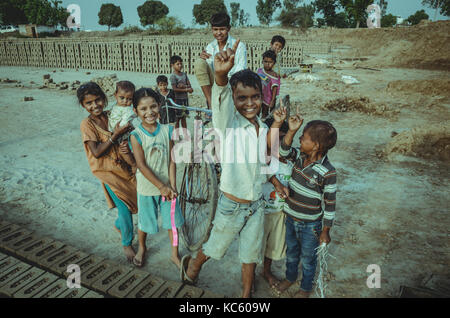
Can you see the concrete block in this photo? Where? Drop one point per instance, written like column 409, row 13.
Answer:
column 35, row 286
column 33, row 246
column 60, row 267
column 208, row 294
column 14, row 246
column 73, row 293
column 168, row 290
column 56, row 256
column 128, row 283
column 12, row 272
column 19, row 282
column 92, row 294
column 89, row 277
column 4, row 223
column 3, row 256
column 147, row 287
column 53, row 290
column 7, row 263
column 6, row 230
column 190, row 292
column 42, row 253
column 111, row 277
column 7, row 240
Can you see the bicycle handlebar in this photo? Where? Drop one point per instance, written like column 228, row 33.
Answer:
column 196, row 109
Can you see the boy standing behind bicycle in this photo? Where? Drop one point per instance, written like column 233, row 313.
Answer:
column 240, row 209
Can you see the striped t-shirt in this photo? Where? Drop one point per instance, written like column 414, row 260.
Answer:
column 312, row 190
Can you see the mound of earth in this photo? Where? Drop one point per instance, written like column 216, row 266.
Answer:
column 359, row 104
column 428, row 143
column 433, row 87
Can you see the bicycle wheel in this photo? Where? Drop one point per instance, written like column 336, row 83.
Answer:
column 198, row 201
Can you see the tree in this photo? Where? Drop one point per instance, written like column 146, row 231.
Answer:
column 203, row 12
column 417, row 17
column 235, row 7
column 328, row 9
column 291, row 4
column 243, row 18
column 383, row 6
column 170, row 25
column 265, row 10
column 342, row 21
column 356, row 9
column 388, row 21
column 442, row 5
column 110, row 15
column 298, row 17
column 151, row 11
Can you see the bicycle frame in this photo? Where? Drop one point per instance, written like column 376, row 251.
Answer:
column 195, row 109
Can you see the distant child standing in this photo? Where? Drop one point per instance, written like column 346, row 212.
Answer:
column 168, row 115
column 156, row 175
column 122, row 112
column 271, row 83
column 181, row 86
column 112, row 163
column 277, row 44
column 312, row 185
column 274, row 194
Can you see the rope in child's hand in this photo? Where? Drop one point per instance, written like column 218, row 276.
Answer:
column 322, row 255
column 172, row 220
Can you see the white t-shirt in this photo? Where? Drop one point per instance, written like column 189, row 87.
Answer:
column 272, row 200
column 122, row 115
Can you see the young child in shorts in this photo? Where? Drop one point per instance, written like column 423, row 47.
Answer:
column 122, row 112
column 271, row 83
column 181, row 86
column 312, row 186
column 274, row 243
column 156, row 176
column 168, row 115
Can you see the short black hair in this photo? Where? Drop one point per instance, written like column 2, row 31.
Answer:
column 221, row 19
column 174, row 59
column 323, row 133
column 144, row 92
column 162, row 79
column 270, row 54
column 247, row 78
column 126, row 86
column 278, row 38
column 90, row 88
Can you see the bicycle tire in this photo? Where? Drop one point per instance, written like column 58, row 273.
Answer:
column 198, row 202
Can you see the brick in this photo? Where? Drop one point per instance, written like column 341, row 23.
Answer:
column 88, row 278
column 4, row 223
column 35, row 286
column 3, row 256
column 111, row 277
column 7, row 242
column 53, row 290
column 168, row 290
column 87, row 263
column 60, row 267
column 147, row 287
column 8, row 229
column 92, row 294
column 73, row 293
column 18, row 283
column 12, row 272
column 7, row 263
column 208, row 294
column 190, row 292
column 33, row 246
column 128, row 283
column 56, row 256
column 41, row 254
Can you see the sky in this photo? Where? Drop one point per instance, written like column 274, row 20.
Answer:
column 182, row 9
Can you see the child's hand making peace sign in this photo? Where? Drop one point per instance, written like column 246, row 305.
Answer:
column 295, row 122
column 224, row 62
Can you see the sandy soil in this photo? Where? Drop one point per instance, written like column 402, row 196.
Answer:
column 392, row 201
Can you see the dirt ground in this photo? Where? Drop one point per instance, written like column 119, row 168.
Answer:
column 392, row 159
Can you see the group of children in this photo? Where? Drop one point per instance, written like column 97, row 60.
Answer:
column 276, row 216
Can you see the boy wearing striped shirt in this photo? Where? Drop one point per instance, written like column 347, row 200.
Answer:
column 312, row 186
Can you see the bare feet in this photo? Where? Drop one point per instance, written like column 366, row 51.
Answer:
column 129, row 253
column 138, row 260
column 283, row 286
column 270, row 279
column 301, row 294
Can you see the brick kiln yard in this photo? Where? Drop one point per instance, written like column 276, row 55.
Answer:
column 392, row 159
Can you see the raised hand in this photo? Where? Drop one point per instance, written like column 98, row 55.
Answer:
column 224, row 60
column 280, row 114
column 295, row 122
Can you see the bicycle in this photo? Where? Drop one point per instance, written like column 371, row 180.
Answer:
column 198, row 193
